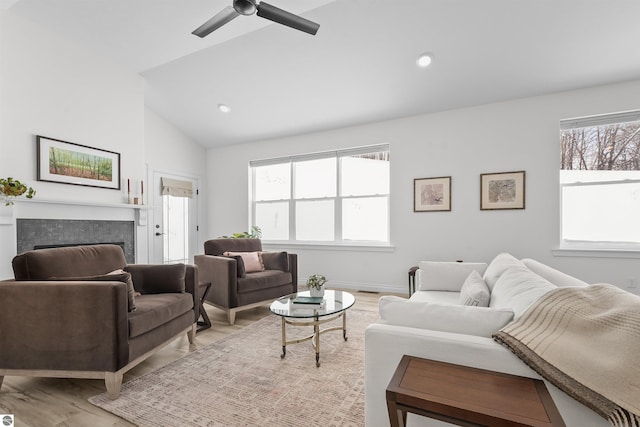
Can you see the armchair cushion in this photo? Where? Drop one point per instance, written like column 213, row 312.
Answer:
column 239, row 265
column 263, row 279
column 157, row 279
column 276, row 261
column 114, row 276
column 157, row 309
column 252, row 260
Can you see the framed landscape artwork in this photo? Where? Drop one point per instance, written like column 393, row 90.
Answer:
column 504, row 190
column 69, row 163
column 432, row 194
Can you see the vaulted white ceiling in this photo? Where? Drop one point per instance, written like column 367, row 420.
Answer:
column 359, row 68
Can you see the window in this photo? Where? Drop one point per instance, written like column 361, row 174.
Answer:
column 600, row 181
column 336, row 197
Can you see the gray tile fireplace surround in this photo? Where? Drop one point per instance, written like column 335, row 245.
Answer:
column 51, row 232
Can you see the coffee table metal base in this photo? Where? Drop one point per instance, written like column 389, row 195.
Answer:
column 316, row 321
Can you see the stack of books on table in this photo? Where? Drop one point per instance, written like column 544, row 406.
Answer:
column 308, row 302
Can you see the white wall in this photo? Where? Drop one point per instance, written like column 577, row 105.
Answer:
column 510, row 136
column 52, row 86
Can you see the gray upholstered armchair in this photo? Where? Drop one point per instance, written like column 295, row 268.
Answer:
column 74, row 313
column 237, row 283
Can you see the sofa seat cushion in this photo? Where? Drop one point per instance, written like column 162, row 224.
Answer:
column 461, row 319
column 154, row 310
column 263, row 279
column 439, row 297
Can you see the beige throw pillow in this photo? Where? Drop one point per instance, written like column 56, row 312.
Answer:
column 252, row 260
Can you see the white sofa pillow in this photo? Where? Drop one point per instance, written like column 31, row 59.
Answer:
column 446, row 276
column 474, row 291
column 517, row 288
column 498, row 266
column 461, row 319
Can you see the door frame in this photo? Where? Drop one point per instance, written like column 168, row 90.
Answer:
column 154, row 200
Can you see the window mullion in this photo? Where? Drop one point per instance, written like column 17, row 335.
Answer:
column 338, row 202
column 292, row 203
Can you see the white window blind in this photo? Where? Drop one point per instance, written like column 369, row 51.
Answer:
column 176, row 188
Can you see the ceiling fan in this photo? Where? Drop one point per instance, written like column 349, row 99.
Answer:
column 264, row 10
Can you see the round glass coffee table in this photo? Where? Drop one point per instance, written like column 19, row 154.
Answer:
column 299, row 310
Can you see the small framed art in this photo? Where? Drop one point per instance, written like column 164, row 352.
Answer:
column 432, row 194
column 503, row 190
column 69, row 163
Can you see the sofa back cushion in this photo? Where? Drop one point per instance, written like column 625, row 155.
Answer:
column 445, row 276
column 499, row 265
column 220, row 246
column 517, row 288
column 461, row 319
column 72, row 261
column 556, row 277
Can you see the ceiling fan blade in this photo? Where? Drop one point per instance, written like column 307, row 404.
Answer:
column 283, row 17
column 224, row 16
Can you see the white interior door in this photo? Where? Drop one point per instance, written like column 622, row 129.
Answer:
column 174, row 231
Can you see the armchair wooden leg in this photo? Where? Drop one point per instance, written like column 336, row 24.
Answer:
column 231, row 317
column 113, row 382
column 1, row 379
column 191, row 333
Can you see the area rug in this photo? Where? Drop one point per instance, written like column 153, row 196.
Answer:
column 241, row 380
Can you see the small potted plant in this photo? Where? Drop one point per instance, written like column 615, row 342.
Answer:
column 315, row 283
column 11, row 188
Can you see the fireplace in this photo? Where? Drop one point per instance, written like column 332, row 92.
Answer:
column 41, row 233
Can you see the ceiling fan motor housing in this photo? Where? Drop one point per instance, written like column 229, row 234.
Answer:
column 245, row 7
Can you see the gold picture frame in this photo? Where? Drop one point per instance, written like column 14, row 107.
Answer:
column 502, row 190
column 432, row 194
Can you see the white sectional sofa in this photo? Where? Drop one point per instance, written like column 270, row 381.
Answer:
column 435, row 324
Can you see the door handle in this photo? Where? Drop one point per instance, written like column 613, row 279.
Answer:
column 159, row 234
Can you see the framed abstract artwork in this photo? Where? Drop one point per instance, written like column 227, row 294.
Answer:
column 503, row 190
column 432, row 194
column 69, row 163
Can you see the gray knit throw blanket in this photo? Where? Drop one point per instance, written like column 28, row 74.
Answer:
column 585, row 341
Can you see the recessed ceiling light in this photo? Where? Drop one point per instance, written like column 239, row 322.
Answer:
column 424, row 60
column 224, row 108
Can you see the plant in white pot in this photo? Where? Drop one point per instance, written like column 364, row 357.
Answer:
column 315, row 283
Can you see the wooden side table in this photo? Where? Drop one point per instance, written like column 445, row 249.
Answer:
column 467, row 396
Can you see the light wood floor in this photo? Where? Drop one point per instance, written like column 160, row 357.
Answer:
column 55, row 402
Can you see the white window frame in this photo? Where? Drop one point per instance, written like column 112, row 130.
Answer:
column 597, row 249
column 338, row 242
